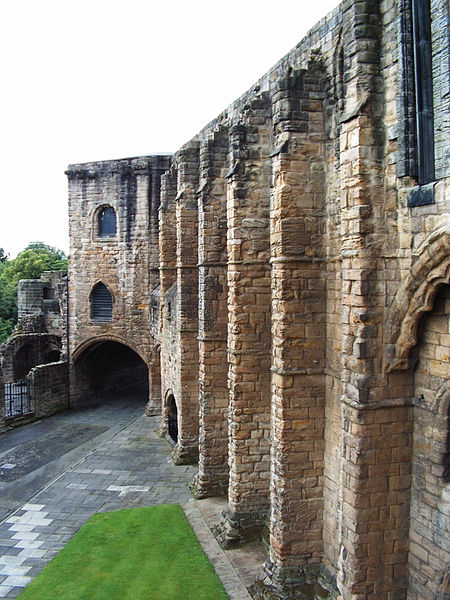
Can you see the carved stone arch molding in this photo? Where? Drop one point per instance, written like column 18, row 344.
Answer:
column 443, row 586
column 98, row 339
column 415, row 297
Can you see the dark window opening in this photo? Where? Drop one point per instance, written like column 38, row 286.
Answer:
column 415, row 108
column 48, row 293
column 101, row 303
column 107, row 222
column 53, row 356
column 24, row 360
column 423, row 90
column 173, row 419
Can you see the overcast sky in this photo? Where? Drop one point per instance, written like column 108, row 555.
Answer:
column 97, row 80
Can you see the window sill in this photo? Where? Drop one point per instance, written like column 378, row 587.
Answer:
column 421, row 195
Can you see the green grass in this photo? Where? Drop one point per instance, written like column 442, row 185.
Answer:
column 134, row 554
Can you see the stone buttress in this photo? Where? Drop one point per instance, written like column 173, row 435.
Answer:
column 187, row 159
column 295, row 314
column 167, row 288
column 212, row 477
column 248, row 193
column 370, row 487
column 298, row 332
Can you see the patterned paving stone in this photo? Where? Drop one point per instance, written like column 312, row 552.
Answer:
column 130, row 469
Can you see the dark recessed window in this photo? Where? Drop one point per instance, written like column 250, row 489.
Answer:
column 424, row 89
column 416, row 111
column 107, row 222
column 48, row 293
column 101, row 303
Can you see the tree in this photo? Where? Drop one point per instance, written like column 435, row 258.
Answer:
column 6, row 329
column 29, row 264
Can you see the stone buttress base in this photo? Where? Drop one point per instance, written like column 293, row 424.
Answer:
column 238, row 528
column 203, row 486
column 312, row 582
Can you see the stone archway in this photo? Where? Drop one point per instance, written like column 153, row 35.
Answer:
column 415, row 297
column 172, row 416
column 22, row 352
column 104, row 369
column 23, row 361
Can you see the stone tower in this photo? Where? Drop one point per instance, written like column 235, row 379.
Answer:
column 114, row 266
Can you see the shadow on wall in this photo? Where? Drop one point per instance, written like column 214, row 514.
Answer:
column 172, row 418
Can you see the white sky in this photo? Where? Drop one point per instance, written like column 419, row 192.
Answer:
column 103, row 79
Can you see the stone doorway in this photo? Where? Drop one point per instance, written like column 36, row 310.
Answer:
column 24, row 361
column 172, row 418
column 108, row 370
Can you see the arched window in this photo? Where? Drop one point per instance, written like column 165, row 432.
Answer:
column 107, row 222
column 101, row 303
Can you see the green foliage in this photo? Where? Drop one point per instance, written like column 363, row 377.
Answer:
column 132, row 554
column 6, row 328
column 29, row 264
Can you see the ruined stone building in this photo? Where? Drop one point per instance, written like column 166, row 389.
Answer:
column 281, row 285
column 33, row 360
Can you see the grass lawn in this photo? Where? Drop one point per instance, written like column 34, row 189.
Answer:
column 134, row 554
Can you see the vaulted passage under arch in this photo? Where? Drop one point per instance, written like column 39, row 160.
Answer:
column 108, row 370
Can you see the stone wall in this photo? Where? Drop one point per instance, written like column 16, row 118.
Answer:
column 49, row 389
column 39, row 338
column 29, row 297
column 318, row 136
column 21, row 352
column 123, row 261
column 429, row 544
column 212, row 477
column 2, row 402
column 46, row 298
column 297, row 256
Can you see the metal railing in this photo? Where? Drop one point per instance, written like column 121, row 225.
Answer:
column 17, row 399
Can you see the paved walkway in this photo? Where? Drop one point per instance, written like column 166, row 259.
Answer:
column 129, row 467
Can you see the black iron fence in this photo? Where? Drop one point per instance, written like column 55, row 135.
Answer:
column 17, row 399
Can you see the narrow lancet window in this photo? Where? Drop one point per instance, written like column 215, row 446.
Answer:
column 423, row 90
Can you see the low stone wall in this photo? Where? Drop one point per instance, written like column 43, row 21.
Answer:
column 49, row 388
column 23, row 351
column 2, row 403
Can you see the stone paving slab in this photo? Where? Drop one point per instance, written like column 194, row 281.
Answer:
column 30, row 471
column 132, row 468
column 129, row 469
column 228, row 575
